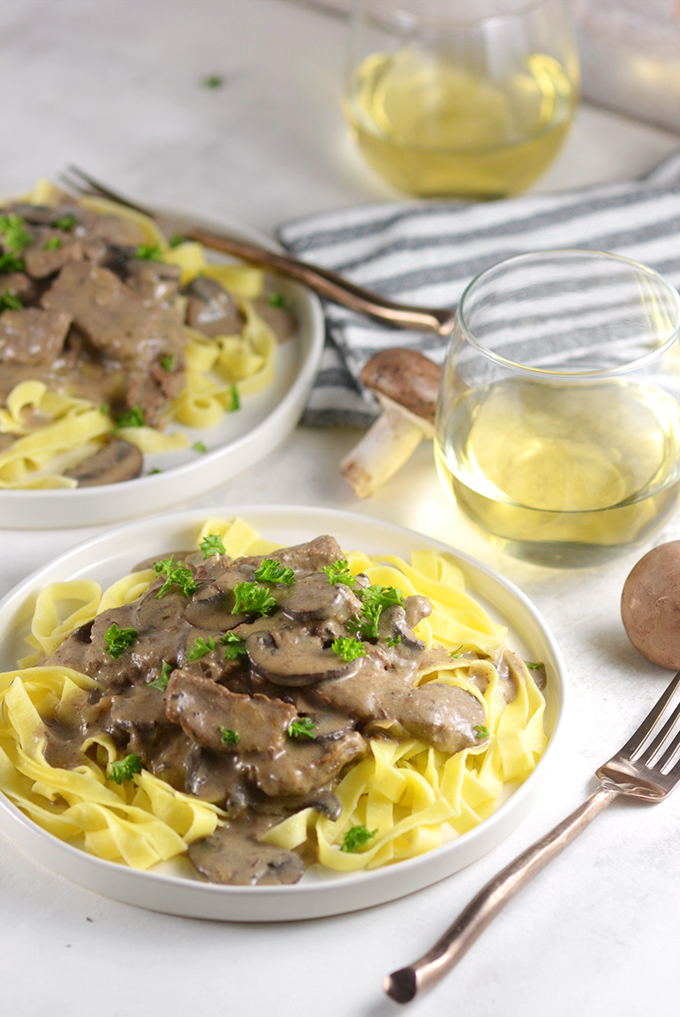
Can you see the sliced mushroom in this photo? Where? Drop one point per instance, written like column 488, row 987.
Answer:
column 313, row 598
column 211, row 309
column 232, row 856
column 118, row 460
column 406, row 383
column 289, row 656
column 281, row 321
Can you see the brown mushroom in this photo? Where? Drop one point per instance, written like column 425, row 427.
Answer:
column 117, row 460
column 650, row 605
column 406, row 383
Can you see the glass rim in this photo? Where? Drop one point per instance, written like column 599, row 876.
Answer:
column 402, row 15
column 561, row 252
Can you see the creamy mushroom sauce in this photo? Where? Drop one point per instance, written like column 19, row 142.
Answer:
column 287, row 675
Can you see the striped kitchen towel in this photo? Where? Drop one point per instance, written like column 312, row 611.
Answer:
column 427, row 252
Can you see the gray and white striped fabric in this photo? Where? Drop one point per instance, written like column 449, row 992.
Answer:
column 427, row 252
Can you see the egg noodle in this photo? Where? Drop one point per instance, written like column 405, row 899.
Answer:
column 414, row 796
column 56, row 432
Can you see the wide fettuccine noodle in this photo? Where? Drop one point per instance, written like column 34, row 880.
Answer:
column 56, row 432
column 413, row 796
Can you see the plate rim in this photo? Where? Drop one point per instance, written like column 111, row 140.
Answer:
column 342, row 882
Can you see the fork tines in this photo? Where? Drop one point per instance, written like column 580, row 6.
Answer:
column 639, row 749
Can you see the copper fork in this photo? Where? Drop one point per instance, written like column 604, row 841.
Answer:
column 647, row 767
column 323, row 281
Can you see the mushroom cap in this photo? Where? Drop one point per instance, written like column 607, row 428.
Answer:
column 406, row 377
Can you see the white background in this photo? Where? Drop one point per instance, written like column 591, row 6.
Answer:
column 114, row 86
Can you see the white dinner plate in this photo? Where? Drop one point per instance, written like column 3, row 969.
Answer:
column 241, row 439
column 171, row 887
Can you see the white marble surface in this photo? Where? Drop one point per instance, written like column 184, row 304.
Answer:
column 113, row 85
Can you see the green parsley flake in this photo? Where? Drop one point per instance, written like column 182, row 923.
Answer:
column 149, row 252
column 272, row 571
column 14, row 233
column 176, row 240
column 9, row 263
column 200, row 647
column 251, row 598
column 118, row 640
column 457, row 654
column 356, row 838
column 64, row 222
column 481, row 731
column 53, row 244
column 348, row 648
column 212, row 544
column 130, row 418
column 229, row 737
column 213, row 81
column 303, row 728
column 8, row 302
column 393, row 642
column 339, row 572
column 123, row 769
column 234, row 646
column 535, row 666
column 177, row 575
column 167, row 361
column 199, row 446
column 164, row 677
column 153, row 470
column 375, row 600
column 105, row 409
column 235, row 399
column 275, row 299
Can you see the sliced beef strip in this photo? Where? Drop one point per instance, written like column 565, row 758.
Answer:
column 281, row 321
column 212, row 310
column 301, row 558
column 442, row 715
column 152, row 281
column 115, row 229
column 32, row 335
column 18, row 284
column 43, row 260
column 303, row 766
column 202, row 708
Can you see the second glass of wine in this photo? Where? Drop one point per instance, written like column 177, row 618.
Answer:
column 471, row 98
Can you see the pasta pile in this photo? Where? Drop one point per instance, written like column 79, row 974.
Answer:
column 57, row 432
column 414, row 796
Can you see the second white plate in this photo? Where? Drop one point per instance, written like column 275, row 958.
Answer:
column 173, row 887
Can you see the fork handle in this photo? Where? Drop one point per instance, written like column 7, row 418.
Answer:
column 406, row 983
column 330, row 284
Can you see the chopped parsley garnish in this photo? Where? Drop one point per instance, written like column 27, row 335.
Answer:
column 176, row 240
column 375, row 600
column 212, row 544
column 118, row 640
column 272, row 571
column 14, row 233
column 64, row 222
column 481, row 731
column 275, row 299
column 535, row 666
column 200, row 647
column 131, row 418
column 177, row 575
column 234, row 646
column 457, row 654
column 235, row 399
column 229, row 737
column 105, row 409
column 212, row 81
column 164, row 677
column 8, row 263
column 348, row 647
column 123, row 769
column 356, row 838
column 167, row 361
column 393, row 642
column 154, row 469
column 303, row 728
column 53, row 244
column 8, row 302
column 339, row 572
column 149, row 252
column 199, row 446
column 251, row 598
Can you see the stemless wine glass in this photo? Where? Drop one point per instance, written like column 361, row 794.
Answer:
column 558, row 422
column 463, row 97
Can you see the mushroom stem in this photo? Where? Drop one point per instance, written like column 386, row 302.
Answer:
column 381, row 452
